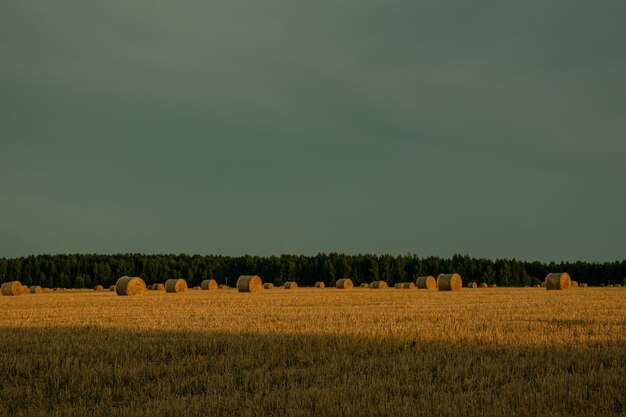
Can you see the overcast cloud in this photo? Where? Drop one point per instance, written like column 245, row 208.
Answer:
column 492, row 128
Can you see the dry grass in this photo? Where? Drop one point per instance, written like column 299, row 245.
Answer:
column 503, row 352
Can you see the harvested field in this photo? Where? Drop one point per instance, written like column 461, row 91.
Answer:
column 312, row 353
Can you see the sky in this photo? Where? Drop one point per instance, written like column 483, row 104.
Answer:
column 490, row 128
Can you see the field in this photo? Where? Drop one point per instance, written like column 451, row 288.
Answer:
column 487, row 352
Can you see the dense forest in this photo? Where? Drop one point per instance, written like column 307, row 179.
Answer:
column 78, row 271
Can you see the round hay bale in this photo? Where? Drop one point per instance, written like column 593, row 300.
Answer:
column 112, row 288
column 427, row 283
column 249, row 283
column 320, row 284
column 449, row 282
column 364, row 285
column 484, row 285
column 175, row 285
column 558, row 281
column 35, row 289
column 397, row 286
column 209, row 284
column 344, row 284
column 493, row 285
column 25, row 289
column 159, row 287
column 379, row 285
column 291, row 285
column 12, row 288
column 574, row 284
column 268, row 286
column 130, row 286
column 408, row 285
column 98, row 288
column 472, row 285
column 618, row 285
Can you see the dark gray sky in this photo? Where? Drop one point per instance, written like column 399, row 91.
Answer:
column 492, row 128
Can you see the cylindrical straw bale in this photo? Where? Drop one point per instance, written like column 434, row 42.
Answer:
column 472, row 285
column 112, row 288
column 12, row 288
column 364, row 285
column 98, row 288
column 574, row 284
column 408, row 285
column 345, row 284
column 175, row 285
column 449, row 282
column 291, row 285
column 397, row 286
column 249, row 283
column 379, row 285
column 25, row 289
column 35, row 289
column 209, row 284
column 268, row 286
column 558, row 281
column 427, row 283
column 320, row 284
column 130, row 286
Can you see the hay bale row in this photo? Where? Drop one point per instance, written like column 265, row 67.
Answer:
column 208, row 285
column 249, row 283
column 130, row 286
column 449, row 282
column 344, row 284
column 291, row 285
column 426, row 283
column 320, row 284
column 379, row 285
column 175, row 285
column 558, row 281
column 268, row 286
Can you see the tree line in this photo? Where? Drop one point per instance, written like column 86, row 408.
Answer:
column 87, row 270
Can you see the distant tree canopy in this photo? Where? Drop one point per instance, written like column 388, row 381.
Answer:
column 76, row 271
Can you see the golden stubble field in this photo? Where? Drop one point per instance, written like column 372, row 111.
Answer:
column 308, row 352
